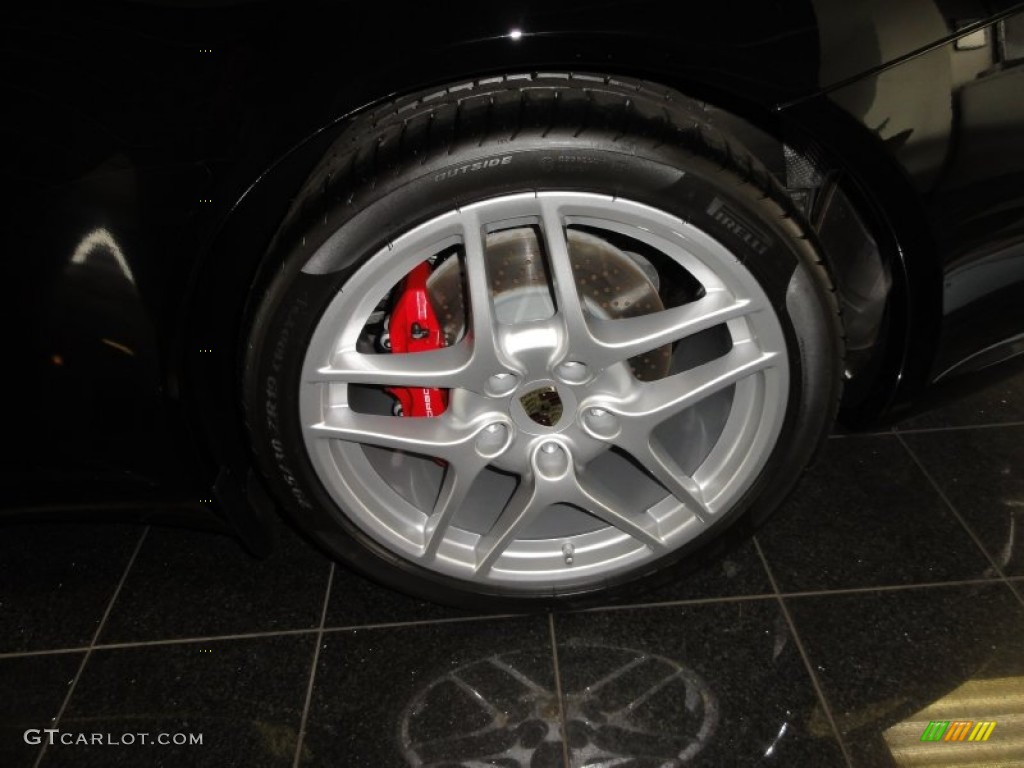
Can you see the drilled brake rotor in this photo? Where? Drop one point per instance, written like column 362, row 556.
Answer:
column 611, row 283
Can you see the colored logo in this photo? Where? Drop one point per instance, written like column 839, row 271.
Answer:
column 958, row 730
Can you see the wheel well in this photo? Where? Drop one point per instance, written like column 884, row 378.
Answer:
column 872, row 231
column 826, row 179
column 860, row 250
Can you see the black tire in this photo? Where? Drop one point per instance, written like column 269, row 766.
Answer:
column 422, row 155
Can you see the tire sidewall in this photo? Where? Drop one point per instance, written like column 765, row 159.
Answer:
column 751, row 225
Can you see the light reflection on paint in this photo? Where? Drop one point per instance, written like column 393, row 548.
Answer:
column 101, row 241
column 119, row 347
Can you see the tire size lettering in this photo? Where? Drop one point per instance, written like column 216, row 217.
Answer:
column 272, row 411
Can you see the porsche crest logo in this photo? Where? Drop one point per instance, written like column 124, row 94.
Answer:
column 543, row 405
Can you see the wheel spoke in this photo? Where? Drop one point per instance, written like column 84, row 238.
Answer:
column 458, row 479
column 567, row 298
column 435, row 437
column 482, row 322
column 444, row 368
column 621, row 339
column 668, row 473
column 641, row 527
column 659, row 400
column 528, row 501
column 535, row 493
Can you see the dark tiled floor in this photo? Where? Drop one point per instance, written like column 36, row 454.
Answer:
column 32, row 689
column 981, row 473
column 882, row 657
column 709, row 684
column 738, row 571
column 866, row 516
column 880, row 597
column 244, row 696
column 56, row 582
column 357, row 602
column 195, row 584
column 453, row 692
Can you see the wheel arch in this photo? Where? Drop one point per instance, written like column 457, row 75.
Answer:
column 234, row 262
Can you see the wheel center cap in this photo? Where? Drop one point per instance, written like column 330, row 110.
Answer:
column 543, row 405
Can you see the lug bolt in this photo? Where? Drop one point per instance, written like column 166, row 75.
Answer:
column 492, row 439
column 572, row 372
column 501, row 384
column 601, row 423
column 552, row 461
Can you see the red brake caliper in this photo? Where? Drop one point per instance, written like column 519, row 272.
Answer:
column 413, row 327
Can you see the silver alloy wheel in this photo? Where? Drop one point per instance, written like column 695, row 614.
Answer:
column 628, row 471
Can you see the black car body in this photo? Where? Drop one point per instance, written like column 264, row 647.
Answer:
column 154, row 148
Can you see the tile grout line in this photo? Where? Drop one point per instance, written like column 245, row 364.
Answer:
column 312, row 671
column 957, row 428
column 151, row 643
column 891, row 587
column 956, row 513
column 92, row 643
column 558, row 690
column 803, row 655
column 925, row 430
column 305, row 631
column 1012, row 584
column 847, row 435
column 612, row 608
column 487, row 617
column 47, row 652
column 426, row 622
column 838, row 592
column 258, row 635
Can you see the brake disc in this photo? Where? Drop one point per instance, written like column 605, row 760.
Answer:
column 612, row 284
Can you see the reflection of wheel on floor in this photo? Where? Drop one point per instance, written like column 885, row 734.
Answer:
column 537, row 338
column 629, row 708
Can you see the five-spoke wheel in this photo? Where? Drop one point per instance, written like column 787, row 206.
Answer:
column 543, row 364
column 555, row 463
